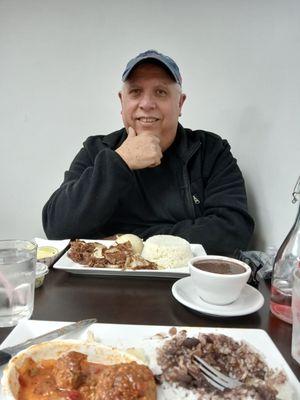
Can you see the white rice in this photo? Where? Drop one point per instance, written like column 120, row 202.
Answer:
column 167, row 251
column 168, row 391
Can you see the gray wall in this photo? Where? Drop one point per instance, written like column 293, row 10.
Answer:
column 60, row 68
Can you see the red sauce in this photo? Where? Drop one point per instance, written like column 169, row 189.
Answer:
column 72, row 377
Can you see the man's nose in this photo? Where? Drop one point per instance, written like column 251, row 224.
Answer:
column 147, row 102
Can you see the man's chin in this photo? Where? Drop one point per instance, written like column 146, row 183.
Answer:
column 148, row 126
column 147, row 130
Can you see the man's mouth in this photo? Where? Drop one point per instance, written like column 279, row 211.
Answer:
column 147, row 120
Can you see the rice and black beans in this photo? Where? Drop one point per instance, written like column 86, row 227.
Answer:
column 235, row 359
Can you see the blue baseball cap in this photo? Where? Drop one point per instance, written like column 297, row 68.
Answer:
column 166, row 62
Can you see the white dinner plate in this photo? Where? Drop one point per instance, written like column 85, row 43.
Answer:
column 145, row 337
column 66, row 264
column 249, row 301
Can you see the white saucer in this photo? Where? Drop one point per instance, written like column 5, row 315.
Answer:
column 249, row 301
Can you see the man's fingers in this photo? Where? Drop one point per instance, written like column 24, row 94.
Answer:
column 131, row 132
column 132, row 150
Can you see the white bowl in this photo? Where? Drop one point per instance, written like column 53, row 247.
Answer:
column 41, row 271
column 47, row 254
column 218, row 288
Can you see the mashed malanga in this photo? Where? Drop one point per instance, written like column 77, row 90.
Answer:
column 167, row 251
column 136, row 242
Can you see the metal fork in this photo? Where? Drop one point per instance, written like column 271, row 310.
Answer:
column 215, row 377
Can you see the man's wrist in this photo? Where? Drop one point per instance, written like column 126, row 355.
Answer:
column 120, row 153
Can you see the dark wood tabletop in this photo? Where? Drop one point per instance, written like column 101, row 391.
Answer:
column 128, row 300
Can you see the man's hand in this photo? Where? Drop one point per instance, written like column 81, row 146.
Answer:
column 140, row 151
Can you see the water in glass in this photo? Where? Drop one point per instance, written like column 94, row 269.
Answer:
column 17, row 277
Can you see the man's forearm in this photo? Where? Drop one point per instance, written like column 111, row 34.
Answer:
column 218, row 234
column 85, row 202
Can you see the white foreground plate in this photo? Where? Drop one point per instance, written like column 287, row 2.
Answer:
column 249, row 301
column 66, row 264
column 141, row 337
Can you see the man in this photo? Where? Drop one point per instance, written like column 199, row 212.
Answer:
column 153, row 176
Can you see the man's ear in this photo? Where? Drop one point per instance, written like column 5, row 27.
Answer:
column 181, row 101
column 120, row 97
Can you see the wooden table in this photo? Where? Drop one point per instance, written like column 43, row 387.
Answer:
column 66, row 297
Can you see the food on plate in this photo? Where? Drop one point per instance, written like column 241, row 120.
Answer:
column 87, row 370
column 167, row 251
column 129, row 252
column 120, row 255
column 72, row 377
column 136, row 242
column 233, row 358
column 76, row 370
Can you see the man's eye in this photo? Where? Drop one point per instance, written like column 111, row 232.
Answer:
column 135, row 91
column 161, row 92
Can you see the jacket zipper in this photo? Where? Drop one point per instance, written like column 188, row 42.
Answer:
column 191, row 198
column 196, row 200
column 189, row 195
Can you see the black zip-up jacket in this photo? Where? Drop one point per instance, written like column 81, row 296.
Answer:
column 197, row 192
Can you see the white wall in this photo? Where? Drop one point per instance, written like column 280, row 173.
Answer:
column 60, row 68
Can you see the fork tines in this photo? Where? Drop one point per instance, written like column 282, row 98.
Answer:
column 215, row 377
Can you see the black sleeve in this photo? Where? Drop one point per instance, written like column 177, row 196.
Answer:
column 225, row 224
column 88, row 196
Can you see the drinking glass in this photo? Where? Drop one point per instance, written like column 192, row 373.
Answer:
column 296, row 315
column 17, row 278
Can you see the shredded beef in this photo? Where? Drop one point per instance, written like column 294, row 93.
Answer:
column 96, row 255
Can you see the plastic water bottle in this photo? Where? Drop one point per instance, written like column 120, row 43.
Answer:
column 286, row 261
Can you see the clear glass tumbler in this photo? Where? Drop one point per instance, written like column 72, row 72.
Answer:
column 17, row 279
column 296, row 316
